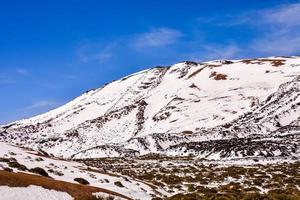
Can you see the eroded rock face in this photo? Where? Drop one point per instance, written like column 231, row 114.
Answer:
column 215, row 110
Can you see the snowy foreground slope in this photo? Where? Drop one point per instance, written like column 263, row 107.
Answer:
column 67, row 171
column 214, row 110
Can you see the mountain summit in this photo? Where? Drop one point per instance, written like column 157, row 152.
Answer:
column 215, row 110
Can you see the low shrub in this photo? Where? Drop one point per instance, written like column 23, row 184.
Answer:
column 8, row 169
column 119, row 184
column 40, row 171
column 17, row 166
column 81, row 181
column 4, row 159
column 39, row 159
column 57, row 173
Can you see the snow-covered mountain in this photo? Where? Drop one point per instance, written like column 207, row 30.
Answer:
column 217, row 109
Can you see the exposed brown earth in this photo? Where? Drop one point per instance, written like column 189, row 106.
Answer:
column 218, row 76
column 79, row 192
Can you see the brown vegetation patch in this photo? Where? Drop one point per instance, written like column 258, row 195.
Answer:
column 274, row 62
column 187, row 132
column 119, row 184
column 272, row 195
column 218, row 76
column 40, row 171
column 192, row 178
column 81, row 181
column 79, row 192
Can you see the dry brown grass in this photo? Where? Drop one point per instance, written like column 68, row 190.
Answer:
column 274, row 62
column 218, row 76
column 75, row 190
column 187, row 132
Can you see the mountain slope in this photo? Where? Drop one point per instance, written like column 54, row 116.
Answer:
column 207, row 109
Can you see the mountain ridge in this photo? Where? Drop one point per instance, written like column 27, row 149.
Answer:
column 171, row 110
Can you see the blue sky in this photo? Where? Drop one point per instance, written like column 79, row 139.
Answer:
column 52, row 51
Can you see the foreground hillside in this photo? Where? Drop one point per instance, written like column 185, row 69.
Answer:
column 30, row 175
column 214, row 110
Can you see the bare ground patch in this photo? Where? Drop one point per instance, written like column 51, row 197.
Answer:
column 79, row 192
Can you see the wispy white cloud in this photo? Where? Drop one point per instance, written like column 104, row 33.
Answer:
column 286, row 15
column 277, row 44
column 45, row 104
column 96, row 51
column 157, row 37
column 273, row 31
column 102, row 52
column 21, row 71
column 280, row 29
column 277, row 29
